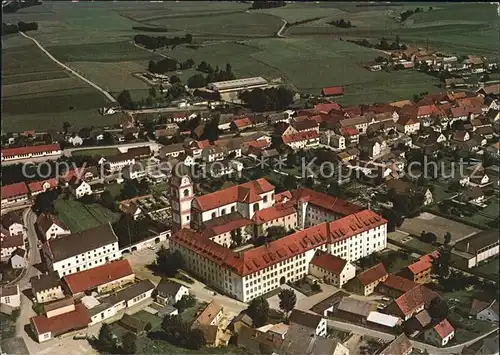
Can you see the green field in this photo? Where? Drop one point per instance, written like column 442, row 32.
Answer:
column 96, row 152
column 96, row 40
column 78, row 216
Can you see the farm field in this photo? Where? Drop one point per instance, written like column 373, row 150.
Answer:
column 78, row 216
column 334, row 63
column 36, row 91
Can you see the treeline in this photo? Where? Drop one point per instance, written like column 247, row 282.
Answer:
column 8, row 29
column 273, row 99
column 383, row 44
column 155, row 42
column 301, row 22
column 150, row 29
column 405, row 15
column 169, row 64
column 199, row 81
column 341, row 23
column 267, row 4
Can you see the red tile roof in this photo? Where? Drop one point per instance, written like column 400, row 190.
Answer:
column 256, row 144
column 407, row 120
column 248, row 192
column 399, row 283
column 228, row 224
column 77, row 319
column 423, row 263
column 411, row 300
column 352, row 111
column 203, row 144
column 329, row 262
column 444, row 328
column 9, row 152
column 426, row 110
column 12, row 190
column 326, row 202
column 273, row 213
column 302, row 125
column 89, row 279
column 37, row 186
column 326, row 108
column 349, row 131
column 301, row 136
column 242, row 122
column 279, row 198
column 253, row 260
column 373, row 274
column 333, row 90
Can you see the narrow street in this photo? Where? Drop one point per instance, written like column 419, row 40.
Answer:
column 33, row 258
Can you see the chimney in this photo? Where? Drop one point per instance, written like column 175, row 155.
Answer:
column 467, row 250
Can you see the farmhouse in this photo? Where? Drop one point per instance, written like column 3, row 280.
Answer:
column 170, row 292
column 367, row 280
column 440, row 334
column 10, row 297
column 50, row 226
column 46, row 287
column 81, row 251
column 331, row 269
column 35, row 151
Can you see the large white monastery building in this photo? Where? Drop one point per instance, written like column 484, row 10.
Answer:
column 203, row 226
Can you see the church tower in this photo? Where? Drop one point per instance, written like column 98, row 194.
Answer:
column 181, row 196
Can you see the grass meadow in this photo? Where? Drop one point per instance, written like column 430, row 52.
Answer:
column 78, row 216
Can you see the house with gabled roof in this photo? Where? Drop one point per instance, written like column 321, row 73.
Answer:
column 50, row 226
column 487, row 311
column 332, row 269
column 332, row 91
column 440, row 334
column 411, row 302
column 366, row 282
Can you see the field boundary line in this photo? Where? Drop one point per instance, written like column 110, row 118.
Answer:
column 104, row 92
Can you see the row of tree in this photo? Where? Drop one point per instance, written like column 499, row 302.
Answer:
column 272, row 99
column 405, row 15
column 178, row 332
column 267, row 4
column 383, row 44
column 155, row 42
column 20, row 27
column 342, row 23
column 199, row 81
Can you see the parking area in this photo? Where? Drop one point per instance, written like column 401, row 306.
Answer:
column 438, row 225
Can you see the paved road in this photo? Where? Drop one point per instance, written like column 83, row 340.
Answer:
column 33, row 258
column 104, row 92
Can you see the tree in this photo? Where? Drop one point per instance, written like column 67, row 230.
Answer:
column 236, row 237
column 290, row 182
column 169, row 262
column 275, row 232
column 196, row 339
column 428, row 237
column 66, row 126
column 129, row 190
column 125, row 100
column 258, row 311
column 196, row 81
column 185, row 302
column 288, row 299
column 438, row 309
column 174, row 79
column 105, row 339
column 447, row 238
column 129, row 343
column 152, row 92
column 177, row 90
column 211, row 131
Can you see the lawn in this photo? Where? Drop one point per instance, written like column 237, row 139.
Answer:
column 395, row 260
column 114, row 189
column 8, row 326
column 96, row 152
column 154, row 320
column 489, row 268
column 78, row 216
